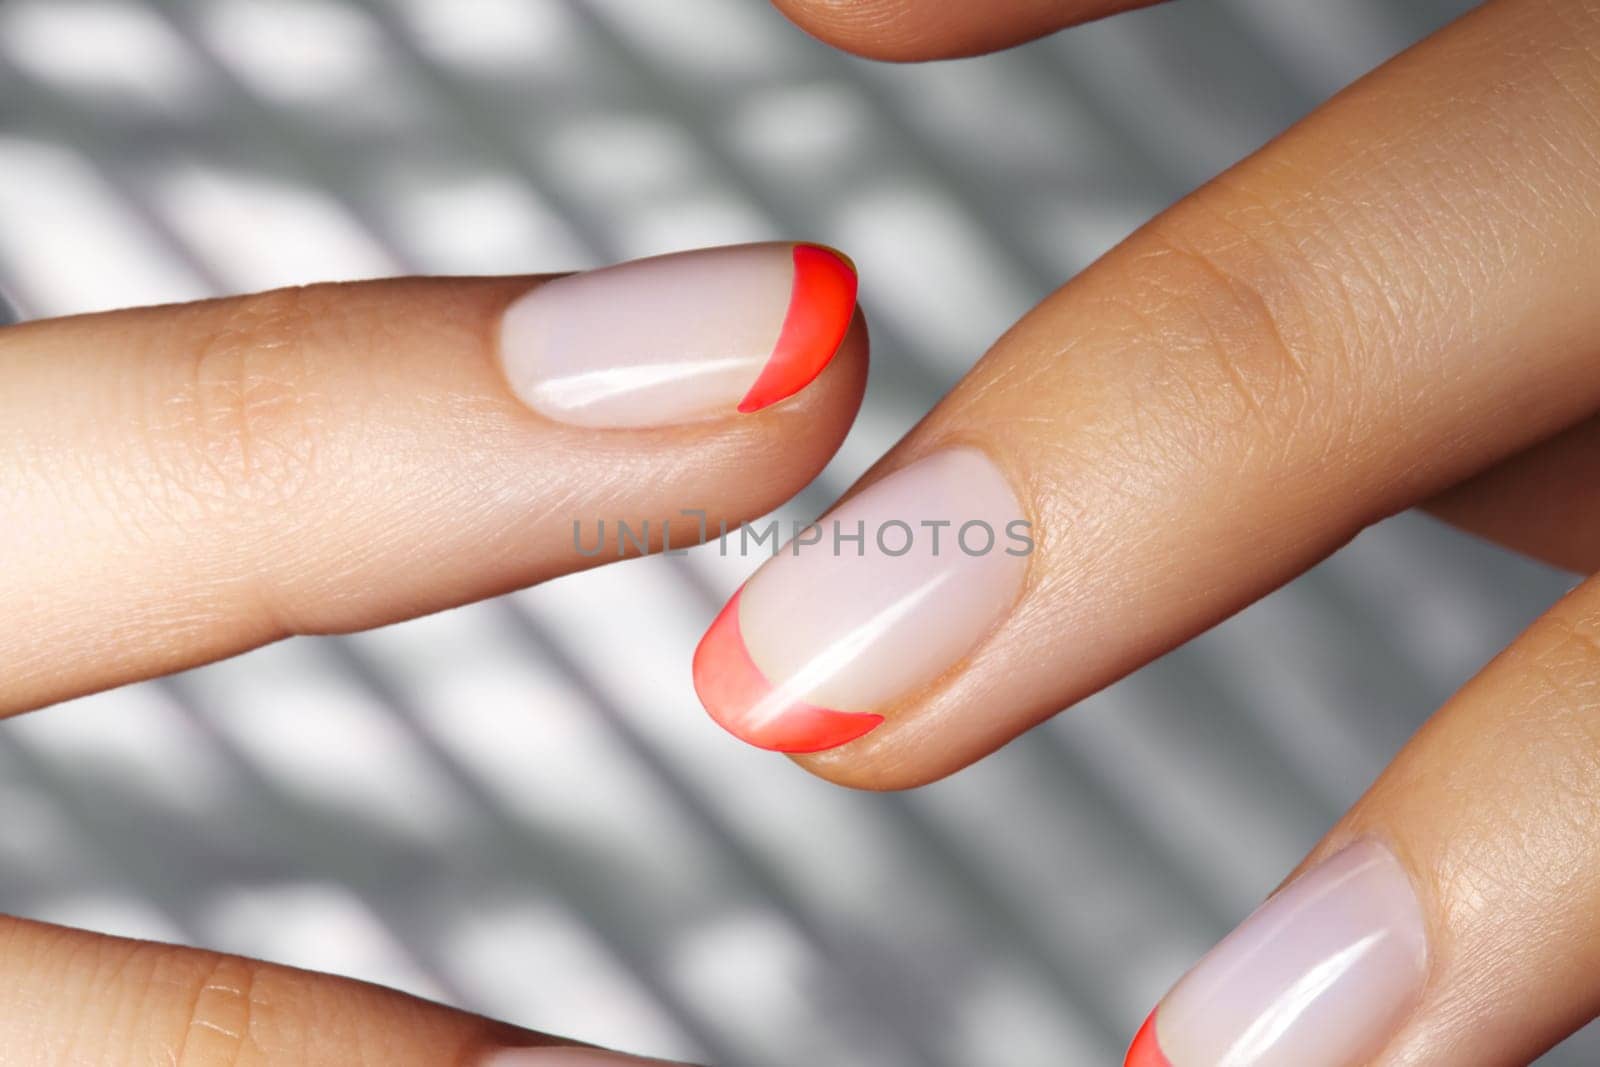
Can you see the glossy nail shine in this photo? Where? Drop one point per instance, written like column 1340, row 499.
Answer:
column 679, row 338
column 825, row 636
column 743, row 699
column 1320, row 976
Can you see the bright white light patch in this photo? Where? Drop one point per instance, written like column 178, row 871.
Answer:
column 625, row 158
column 539, row 963
column 297, row 51
column 111, row 49
column 321, row 927
column 509, row 34
column 484, row 224
column 75, row 242
column 815, row 130
column 263, row 233
column 750, row 40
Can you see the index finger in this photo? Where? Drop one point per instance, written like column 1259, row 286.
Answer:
column 181, row 484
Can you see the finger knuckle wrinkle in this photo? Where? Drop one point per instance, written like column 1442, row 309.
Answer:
column 246, row 1013
column 1241, row 342
column 248, row 410
column 220, row 1029
column 1244, row 369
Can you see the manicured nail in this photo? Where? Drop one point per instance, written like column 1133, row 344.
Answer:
column 876, row 600
column 1320, row 976
column 679, row 338
column 567, row 1057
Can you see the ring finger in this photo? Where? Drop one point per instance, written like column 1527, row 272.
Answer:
column 1453, row 916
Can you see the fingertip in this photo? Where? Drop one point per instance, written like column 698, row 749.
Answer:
column 836, row 635
column 1146, row 1048
column 675, row 339
column 810, row 417
column 740, row 699
column 822, row 306
column 907, row 31
column 885, row 30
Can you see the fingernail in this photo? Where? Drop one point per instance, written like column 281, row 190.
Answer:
column 878, row 599
column 1320, row 976
column 567, row 1057
column 679, row 338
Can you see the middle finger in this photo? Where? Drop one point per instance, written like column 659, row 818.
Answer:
column 1396, row 294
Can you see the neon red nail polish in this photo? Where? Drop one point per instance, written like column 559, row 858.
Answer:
column 744, row 703
column 1146, row 1049
column 821, row 305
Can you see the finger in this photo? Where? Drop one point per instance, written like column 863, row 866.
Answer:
column 67, row 996
column 1542, row 501
column 1394, row 296
column 180, row 484
column 937, row 29
column 1453, row 916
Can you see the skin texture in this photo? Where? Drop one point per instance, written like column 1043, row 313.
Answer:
column 1392, row 304
column 376, row 414
column 1341, row 327
column 1539, row 501
column 148, row 459
column 105, row 1000
column 1531, row 503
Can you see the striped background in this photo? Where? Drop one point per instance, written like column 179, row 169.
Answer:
column 472, row 806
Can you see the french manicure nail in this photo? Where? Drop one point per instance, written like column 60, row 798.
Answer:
column 567, row 1057
column 679, row 338
column 1320, row 976
column 879, row 598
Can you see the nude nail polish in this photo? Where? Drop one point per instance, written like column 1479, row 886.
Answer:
column 1322, row 975
column 679, row 338
column 882, row 596
column 567, row 1057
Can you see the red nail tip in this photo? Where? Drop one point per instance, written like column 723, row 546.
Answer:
column 731, row 686
column 1146, row 1050
column 821, row 304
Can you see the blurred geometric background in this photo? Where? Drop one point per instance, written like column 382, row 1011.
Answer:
column 473, row 806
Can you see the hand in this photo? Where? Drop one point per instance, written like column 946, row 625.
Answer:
column 433, row 441
column 1394, row 304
